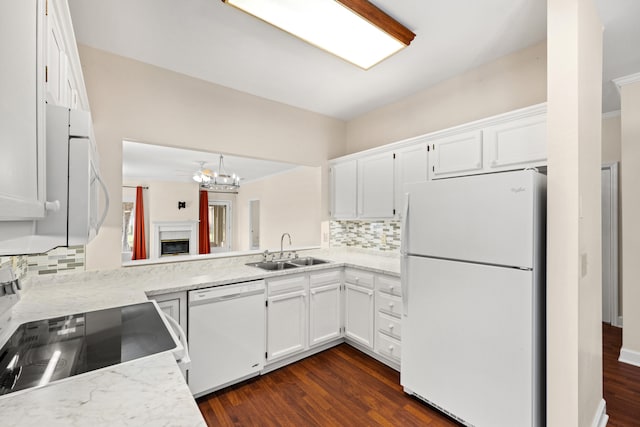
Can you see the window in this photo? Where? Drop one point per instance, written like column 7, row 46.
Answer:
column 128, row 219
column 220, row 225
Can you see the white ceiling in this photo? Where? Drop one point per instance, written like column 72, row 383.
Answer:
column 215, row 42
column 147, row 162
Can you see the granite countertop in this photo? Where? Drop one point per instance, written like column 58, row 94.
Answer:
column 148, row 391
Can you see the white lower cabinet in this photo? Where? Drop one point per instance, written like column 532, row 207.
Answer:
column 286, row 316
column 389, row 309
column 325, row 307
column 359, row 307
column 174, row 304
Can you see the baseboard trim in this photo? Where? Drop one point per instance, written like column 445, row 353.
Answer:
column 629, row 356
column 601, row 418
column 277, row 364
column 371, row 353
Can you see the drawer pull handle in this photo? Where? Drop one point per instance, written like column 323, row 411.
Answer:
column 357, row 279
column 390, row 305
column 390, row 348
column 391, row 326
column 391, row 289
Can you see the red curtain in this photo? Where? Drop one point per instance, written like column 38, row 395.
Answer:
column 139, row 240
column 203, row 230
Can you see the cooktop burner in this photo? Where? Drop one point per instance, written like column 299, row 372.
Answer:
column 47, row 350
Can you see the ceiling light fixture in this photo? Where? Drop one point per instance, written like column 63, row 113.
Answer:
column 219, row 181
column 354, row 30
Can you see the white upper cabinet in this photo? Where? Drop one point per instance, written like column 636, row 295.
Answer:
column 344, row 190
column 411, row 165
column 456, row 155
column 56, row 59
column 517, row 143
column 22, row 118
column 375, row 186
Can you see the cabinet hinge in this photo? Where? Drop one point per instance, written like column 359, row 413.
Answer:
column 394, row 211
column 428, row 147
column 266, row 303
column 46, row 74
column 433, row 147
column 266, row 355
column 394, row 155
column 433, row 168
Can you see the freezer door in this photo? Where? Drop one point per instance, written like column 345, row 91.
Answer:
column 488, row 218
column 468, row 342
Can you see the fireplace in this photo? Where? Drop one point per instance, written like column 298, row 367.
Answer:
column 174, row 247
column 175, row 238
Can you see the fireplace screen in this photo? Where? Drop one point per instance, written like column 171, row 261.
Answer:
column 174, row 247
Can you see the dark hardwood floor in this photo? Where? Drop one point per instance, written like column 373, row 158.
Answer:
column 621, row 382
column 344, row 387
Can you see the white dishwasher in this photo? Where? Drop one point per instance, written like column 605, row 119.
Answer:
column 226, row 335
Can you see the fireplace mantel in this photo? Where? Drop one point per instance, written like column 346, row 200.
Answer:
column 171, row 230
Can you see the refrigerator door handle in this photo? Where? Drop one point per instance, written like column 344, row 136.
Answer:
column 404, row 257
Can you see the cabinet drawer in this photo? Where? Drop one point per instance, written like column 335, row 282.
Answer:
column 389, row 285
column 358, row 277
column 389, row 304
column 279, row 286
column 389, row 325
column 319, row 279
column 389, row 347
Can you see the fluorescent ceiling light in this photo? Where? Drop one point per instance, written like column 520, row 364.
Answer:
column 354, row 30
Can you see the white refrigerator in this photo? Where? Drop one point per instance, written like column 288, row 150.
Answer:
column 473, row 272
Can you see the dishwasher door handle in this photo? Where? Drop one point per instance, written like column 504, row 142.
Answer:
column 208, row 300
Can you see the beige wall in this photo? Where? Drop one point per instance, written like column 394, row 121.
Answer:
column 163, row 205
column 288, row 204
column 574, row 281
column 135, row 101
column 611, row 139
column 630, row 176
column 514, row 81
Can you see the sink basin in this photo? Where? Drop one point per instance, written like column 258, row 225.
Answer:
column 308, row 261
column 272, row 265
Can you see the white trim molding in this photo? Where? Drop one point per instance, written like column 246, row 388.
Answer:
column 629, row 356
column 626, row 80
column 601, row 418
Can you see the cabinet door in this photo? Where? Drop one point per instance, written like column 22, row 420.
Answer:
column 324, row 314
column 22, row 111
column 358, row 320
column 516, row 144
column 56, row 60
column 456, row 155
column 375, row 186
column 344, row 190
column 175, row 305
column 411, row 165
column 286, row 324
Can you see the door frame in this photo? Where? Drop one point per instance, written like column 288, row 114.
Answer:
column 615, row 285
column 229, row 205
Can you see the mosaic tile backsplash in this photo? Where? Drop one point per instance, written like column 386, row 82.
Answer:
column 56, row 261
column 380, row 235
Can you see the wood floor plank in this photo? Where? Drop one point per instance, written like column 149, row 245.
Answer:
column 343, row 386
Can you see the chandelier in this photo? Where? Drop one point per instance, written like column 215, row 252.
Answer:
column 219, row 180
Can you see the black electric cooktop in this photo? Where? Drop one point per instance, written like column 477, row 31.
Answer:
column 47, row 350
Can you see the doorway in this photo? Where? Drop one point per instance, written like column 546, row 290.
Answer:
column 254, row 224
column 220, row 225
column 611, row 301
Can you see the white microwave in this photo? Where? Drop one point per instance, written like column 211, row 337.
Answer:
column 75, row 209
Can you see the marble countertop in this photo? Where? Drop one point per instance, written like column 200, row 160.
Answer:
column 147, row 391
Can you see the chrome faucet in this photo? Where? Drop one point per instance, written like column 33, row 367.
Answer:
column 282, row 243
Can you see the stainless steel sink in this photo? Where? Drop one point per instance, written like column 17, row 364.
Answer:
column 308, row 261
column 272, row 265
